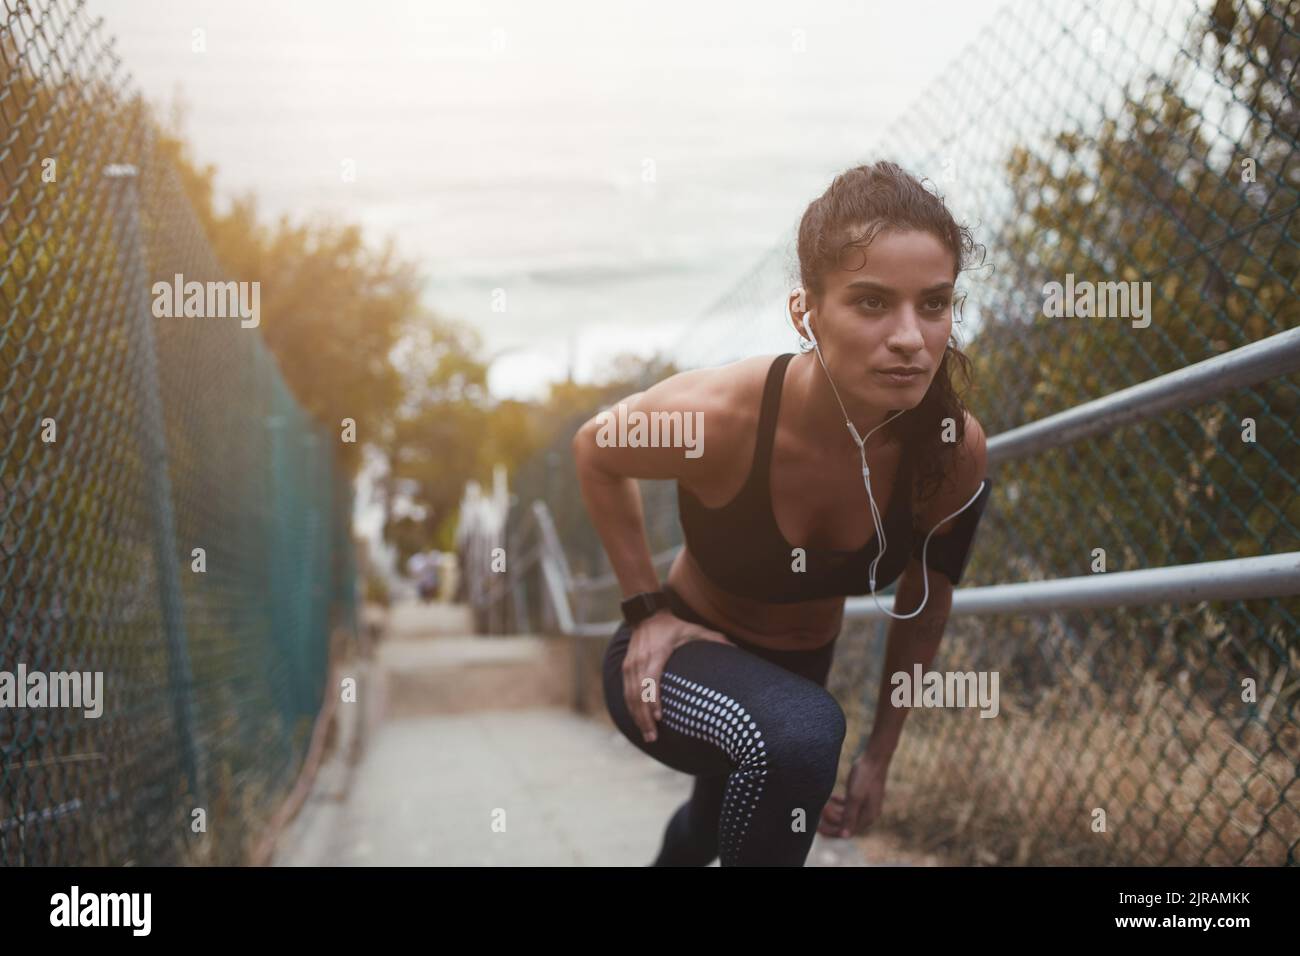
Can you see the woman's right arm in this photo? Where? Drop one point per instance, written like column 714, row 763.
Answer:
column 607, row 477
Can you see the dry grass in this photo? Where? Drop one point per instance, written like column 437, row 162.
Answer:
column 1181, row 771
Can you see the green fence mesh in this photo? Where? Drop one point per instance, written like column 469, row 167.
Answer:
column 1132, row 140
column 128, row 441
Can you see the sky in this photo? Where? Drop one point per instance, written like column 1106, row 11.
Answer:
column 573, row 179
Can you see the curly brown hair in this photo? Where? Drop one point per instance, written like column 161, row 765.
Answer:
column 854, row 209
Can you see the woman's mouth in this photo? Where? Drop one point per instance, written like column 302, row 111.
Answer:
column 901, row 377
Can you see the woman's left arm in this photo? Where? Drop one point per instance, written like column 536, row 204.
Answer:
column 911, row 642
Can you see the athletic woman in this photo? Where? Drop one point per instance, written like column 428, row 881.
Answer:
column 721, row 673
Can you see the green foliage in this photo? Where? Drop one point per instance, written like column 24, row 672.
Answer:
column 1157, row 194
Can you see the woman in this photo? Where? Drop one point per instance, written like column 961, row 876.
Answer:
column 722, row 673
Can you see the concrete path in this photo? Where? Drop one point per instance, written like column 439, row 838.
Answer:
column 462, row 751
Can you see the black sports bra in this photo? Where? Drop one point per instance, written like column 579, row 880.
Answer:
column 740, row 547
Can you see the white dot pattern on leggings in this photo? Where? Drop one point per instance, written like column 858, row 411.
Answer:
column 695, row 710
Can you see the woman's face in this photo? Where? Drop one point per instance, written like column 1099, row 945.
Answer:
column 894, row 310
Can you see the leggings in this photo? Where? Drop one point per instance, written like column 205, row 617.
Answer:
column 759, row 732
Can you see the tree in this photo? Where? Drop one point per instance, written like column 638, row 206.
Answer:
column 333, row 309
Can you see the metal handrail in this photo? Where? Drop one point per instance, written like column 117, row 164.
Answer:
column 555, row 569
column 1235, row 579
column 1249, row 365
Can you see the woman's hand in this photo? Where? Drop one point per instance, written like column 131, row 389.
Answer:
column 652, row 643
column 864, row 795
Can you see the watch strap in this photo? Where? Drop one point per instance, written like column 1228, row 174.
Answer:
column 641, row 606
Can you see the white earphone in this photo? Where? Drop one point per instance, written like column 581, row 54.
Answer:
column 866, row 480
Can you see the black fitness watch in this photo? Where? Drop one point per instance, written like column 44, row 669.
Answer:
column 641, row 606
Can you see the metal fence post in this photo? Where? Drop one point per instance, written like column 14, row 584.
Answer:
column 282, row 623
column 125, row 189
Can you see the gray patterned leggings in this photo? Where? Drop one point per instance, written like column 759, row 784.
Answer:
column 759, row 732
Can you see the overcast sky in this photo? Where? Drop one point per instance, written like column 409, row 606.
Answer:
column 602, row 169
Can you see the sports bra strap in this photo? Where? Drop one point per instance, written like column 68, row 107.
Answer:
column 762, row 467
column 761, row 470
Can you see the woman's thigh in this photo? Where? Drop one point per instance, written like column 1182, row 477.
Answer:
column 725, row 708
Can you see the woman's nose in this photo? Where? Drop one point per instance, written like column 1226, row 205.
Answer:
column 906, row 334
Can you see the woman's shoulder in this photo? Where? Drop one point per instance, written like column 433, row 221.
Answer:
column 732, row 392
column 726, row 400
column 739, row 373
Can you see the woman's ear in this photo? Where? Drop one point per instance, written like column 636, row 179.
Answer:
column 798, row 310
column 808, row 329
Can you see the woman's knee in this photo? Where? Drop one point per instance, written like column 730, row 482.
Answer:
column 806, row 735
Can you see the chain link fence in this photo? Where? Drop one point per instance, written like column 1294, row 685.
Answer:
column 172, row 523
column 1134, row 141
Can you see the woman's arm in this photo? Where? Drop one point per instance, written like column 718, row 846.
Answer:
column 608, row 466
column 912, row 641
column 608, row 472
column 916, row 640
column 613, row 501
